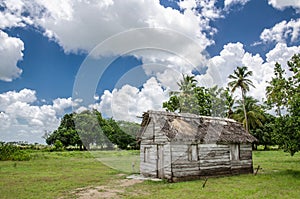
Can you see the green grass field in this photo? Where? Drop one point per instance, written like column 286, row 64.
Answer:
column 59, row 174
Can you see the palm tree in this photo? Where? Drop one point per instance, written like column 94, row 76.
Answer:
column 186, row 93
column 254, row 112
column 187, row 84
column 240, row 80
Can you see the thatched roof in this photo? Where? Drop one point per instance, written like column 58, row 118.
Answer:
column 203, row 129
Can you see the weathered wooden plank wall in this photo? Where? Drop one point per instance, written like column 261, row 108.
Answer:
column 148, row 158
column 244, row 164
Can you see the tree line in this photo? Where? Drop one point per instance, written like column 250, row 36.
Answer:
column 88, row 128
column 282, row 93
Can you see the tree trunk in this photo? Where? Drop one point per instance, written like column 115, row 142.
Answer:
column 245, row 112
column 279, row 111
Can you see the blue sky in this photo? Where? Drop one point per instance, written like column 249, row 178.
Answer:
column 43, row 46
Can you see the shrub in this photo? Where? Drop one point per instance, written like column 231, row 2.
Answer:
column 11, row 152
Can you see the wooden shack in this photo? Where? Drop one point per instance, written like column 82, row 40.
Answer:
column 180, row 147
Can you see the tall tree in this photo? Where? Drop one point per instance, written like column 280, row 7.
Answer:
column 187, row 84
column 229, row 102
column 217, row 101
column 187, row 99
column 265, row 133
column 287, row 127
column 240, row 80
column 254, row 113
column 190, row 98
column 66, row 133
column 277, row 91
column 88, row 127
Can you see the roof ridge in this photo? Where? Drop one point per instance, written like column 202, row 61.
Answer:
column 190, row 115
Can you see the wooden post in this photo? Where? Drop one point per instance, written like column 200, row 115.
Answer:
column 204, row 183
column 257, row 170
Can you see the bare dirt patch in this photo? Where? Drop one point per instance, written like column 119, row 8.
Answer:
column 113, row 190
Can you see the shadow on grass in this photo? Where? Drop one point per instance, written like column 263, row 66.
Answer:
column 290, row 172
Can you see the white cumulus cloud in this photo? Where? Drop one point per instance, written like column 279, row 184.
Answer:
column 234, row 55
column 21, row 119
column 95, row 21
column 228, row 3
column 10, row 53
column 282, row 4
column 129, row 102
column 220, row 66
column 282, row 31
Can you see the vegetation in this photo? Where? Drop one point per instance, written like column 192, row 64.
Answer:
column 61, row 174
column 254, row 112
column 277, row 90
column 283, row 92
column 12, row 152
column 240, row 80
column 198, row 100
column 191, row 98
column 90, row 128
column 52, row 174
column 283, row 96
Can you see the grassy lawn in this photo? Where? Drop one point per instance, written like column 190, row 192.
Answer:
column 50, row 175
column 123, row 161
column 279, row 178
column 58, row 174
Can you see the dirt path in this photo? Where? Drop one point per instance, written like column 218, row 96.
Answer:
column 112, row 190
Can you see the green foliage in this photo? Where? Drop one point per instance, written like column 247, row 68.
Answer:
column 119, row 137
column 265, row 133
column 190, row 99
column 222, row 102
column 254, row 112
column 203, row 102
column 287, row 133
column 65, row 133
column 130, row 128
column 283, row 91
column 229, row 102
column 58, row 145
column 277, row 90
column 172, row 104
column 11, row 152
column 240, row 80
column 89, row 128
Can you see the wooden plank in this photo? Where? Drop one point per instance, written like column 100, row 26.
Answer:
column 214, row 172
column 211, row 146
column 219, row 157
column 179, row 154
column 214, row 155
column 186, row 173
column 185, row 169
column 204, row 164
column 215, row 167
